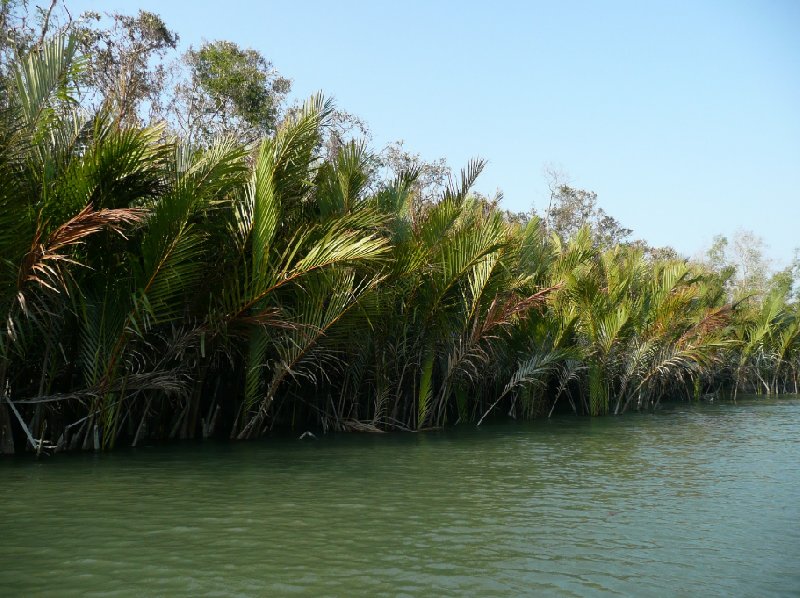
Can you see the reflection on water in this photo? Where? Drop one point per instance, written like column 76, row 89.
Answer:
column 699, row 500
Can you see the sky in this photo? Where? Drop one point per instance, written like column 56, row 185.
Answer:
column 683, row 116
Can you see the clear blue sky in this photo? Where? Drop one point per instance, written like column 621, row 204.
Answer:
column 683, row 116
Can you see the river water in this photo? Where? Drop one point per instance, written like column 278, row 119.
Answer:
column 695, row 500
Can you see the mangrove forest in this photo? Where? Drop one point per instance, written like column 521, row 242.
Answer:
column 198, row 258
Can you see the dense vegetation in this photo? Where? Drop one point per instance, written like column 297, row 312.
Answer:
column 240, row 267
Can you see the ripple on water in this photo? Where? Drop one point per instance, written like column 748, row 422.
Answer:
column 695, row 500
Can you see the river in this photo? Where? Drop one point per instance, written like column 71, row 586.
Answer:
column 692, row 500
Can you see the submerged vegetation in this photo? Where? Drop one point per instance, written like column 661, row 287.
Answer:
column 241, row 267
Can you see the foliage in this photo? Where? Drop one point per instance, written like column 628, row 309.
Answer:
column 229, row 91
column 154, row 286
column 125, row 61
column 570, row 209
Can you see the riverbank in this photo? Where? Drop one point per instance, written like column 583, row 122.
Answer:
column 155, row 286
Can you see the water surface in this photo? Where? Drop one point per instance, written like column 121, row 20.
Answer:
column 694, row 500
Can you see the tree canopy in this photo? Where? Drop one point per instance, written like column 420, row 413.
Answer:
column 219, row 265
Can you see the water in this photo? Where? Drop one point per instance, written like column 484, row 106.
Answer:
column 695, row 500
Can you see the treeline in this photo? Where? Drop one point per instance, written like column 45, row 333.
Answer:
column 156, row 285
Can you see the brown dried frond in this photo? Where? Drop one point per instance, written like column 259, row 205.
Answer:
column 713, row 321
column 502, row 312
column 42, row 264
column 89, row 221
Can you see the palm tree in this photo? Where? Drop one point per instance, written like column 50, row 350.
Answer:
column 301, row 229
column 54, row 173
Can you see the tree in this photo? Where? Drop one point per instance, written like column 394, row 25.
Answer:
column 752, row 265
column 432, row 177
column 570, row 209
column 125, row 69
column 21, row 29
column 229, row 90
column 741, row 264
column 52, row 192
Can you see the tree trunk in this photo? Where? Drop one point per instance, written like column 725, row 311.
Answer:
column 6, row 436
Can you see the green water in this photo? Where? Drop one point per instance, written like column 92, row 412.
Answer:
column 692, row 501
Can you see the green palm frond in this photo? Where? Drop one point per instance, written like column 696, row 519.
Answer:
column 341, row 185
column 457, row 191
column 41, row 79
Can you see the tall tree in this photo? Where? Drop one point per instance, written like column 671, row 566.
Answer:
column 228, row 90
column 569, row 209
column 125, row 70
